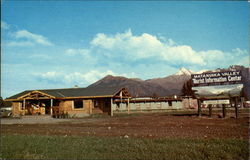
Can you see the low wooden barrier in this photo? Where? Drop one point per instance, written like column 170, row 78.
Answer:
column 57, row 113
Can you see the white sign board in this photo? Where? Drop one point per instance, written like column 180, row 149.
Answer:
column 216, row 77
column 226, row 101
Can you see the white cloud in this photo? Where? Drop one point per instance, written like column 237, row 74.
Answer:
column 128, row 47
column 218, row 58
column 182, row 54
column 103, row 41
column 88, row 58
column 20, row 44
column 26, row 38
column 76, row 77
column 4, row 25
column 171, row 42
column 142, row 55
column 145, row 53
column 89, row 77
column 83, row 52
column 50, row 75
column 241, row 57
column 40, row 56
column 146, row 45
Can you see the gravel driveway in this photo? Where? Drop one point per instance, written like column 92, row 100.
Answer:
column 41, row 119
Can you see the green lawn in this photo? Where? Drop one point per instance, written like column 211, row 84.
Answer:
column 59, row 147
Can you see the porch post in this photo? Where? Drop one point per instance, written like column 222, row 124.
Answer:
column 24, row 104
column 128, row 106
column 121, row 99
column 111, row 107
column 51, row 105
column 91, row 106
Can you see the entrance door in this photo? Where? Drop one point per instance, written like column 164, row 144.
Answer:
column 102, row 105
column 38, row 107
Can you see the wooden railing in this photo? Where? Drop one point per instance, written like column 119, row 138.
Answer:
column 58, row 113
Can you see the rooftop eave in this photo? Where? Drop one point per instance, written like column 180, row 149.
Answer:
column 36, row 91
column 10, row 100
column 86, row 97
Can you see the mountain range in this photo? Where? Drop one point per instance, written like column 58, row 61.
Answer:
column 166, row 86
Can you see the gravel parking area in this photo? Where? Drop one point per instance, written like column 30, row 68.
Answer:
column 42, row 119
column 143, row 125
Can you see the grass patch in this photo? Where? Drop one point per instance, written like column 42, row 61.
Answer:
column 59, row 147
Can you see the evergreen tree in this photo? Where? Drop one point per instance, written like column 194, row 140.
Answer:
column 1, row 102
column 187, row 88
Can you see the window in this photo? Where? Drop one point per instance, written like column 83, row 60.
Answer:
column 107, row 104
column 170, row 103
column 96, row 104
column 117, row 105
column 21, row 104
column 159, row 105
column 56, row 102
column 78, row 104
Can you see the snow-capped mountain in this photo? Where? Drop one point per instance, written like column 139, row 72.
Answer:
column 166, row 86
column 184, row 71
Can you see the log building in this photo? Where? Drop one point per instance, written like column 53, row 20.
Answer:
column 76, row 102
column 80, row 102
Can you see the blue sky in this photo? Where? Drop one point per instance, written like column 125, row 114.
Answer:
column 59, row 44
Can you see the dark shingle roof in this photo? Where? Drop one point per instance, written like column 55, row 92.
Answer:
column 19, row 95
column 74, row 92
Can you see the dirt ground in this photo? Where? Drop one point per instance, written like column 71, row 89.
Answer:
column 150, row 125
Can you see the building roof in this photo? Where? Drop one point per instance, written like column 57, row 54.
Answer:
column 74, row 92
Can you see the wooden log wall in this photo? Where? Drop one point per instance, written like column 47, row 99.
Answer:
column 67, row 107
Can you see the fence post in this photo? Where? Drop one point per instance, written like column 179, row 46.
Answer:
column 236, row 108
column 199, row 107
column 223, row 110
column 210, row 110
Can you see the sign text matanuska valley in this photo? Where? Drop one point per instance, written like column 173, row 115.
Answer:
column 217, row 77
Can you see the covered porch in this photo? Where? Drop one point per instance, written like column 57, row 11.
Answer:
column 108, row 104
column 34, row 103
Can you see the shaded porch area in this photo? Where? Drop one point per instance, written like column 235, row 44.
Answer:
column 35, row 103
